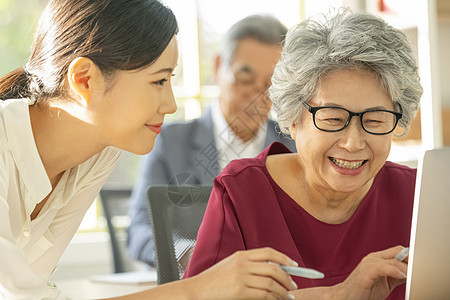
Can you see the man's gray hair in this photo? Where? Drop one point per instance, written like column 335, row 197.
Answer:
column 347, row 40
column 263, row 28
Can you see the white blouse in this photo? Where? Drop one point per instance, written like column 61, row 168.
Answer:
column 30, row 249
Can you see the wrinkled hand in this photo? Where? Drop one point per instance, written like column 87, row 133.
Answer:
column 246, row 275
column 375, row 277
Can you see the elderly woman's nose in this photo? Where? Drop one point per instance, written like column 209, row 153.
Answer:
column 353, row 137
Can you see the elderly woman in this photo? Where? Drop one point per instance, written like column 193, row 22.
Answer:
column 341, row 88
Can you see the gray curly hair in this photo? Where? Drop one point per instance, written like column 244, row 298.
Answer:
column 347, row 40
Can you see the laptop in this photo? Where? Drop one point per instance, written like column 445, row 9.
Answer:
column 429, row 256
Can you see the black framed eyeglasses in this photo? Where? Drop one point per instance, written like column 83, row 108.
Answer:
column 373, row 121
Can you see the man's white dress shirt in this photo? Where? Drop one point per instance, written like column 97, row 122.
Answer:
column 30, row 249
column 229, row 145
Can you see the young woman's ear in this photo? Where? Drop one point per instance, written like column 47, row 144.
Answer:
column 82, row 77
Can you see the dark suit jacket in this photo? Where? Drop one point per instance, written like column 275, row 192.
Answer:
column 184, row 153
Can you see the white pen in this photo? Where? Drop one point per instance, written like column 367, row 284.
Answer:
column 303, row 272
column 402, row 254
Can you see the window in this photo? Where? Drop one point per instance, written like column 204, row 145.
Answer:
column 18, row 18
column 202, row 24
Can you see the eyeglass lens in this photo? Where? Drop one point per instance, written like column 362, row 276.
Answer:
column 335, row 119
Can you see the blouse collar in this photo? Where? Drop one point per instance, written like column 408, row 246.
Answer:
column 24, row 151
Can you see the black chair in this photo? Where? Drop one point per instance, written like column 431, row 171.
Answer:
column 115, row 208
column 176, row 213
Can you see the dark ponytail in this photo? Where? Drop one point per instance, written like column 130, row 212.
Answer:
column 115, row 34
column 14, row 85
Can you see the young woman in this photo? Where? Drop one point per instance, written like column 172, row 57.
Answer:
column 98, row 80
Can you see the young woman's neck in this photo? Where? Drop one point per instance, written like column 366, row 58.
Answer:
column 63, row 141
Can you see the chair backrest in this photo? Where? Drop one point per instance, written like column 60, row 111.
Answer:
column 176, row 213
column 115, row 207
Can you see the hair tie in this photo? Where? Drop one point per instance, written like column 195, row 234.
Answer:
column 33, row 86
column 26, row 70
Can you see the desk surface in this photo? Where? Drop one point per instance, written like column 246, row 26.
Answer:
column 78, row 289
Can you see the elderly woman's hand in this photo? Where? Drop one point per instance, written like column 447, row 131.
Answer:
column 246, row 275
column 375, row 277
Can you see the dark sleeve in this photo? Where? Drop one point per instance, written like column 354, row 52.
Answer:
column 152, row 170
column 219, row 235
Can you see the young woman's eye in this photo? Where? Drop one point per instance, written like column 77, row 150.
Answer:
column 160, row 82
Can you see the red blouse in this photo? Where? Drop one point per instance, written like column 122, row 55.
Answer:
column 248, row 210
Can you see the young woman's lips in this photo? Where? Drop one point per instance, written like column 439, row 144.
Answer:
column 156, row 128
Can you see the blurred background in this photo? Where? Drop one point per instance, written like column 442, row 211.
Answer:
column 202, row 24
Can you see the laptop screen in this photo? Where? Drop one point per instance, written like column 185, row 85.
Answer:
column 429, row 260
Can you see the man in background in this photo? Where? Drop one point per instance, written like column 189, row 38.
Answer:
column 236, row 125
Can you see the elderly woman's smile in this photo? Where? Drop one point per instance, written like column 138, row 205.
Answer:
column 347, row 164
